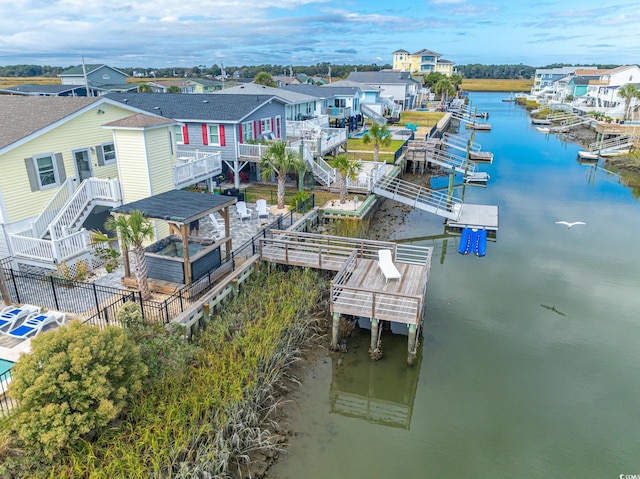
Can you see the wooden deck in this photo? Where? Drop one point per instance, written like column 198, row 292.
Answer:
column 359, row 287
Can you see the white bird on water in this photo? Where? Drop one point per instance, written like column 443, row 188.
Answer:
column 569, row 225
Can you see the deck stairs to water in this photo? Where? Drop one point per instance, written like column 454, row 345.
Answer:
column 373, row 115
column 419, row 197
column 450, row 161
column 459, row 142
column 619, row 142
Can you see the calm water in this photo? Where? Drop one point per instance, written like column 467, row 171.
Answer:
column 530, row 361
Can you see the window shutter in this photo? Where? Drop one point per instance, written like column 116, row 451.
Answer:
column 223, row 141
column 31, row 173
column 205, row 136
column 272, row 127
column 260, row 128
column 185, row 134
column 255, row 129
column 100, row 154
column 62, row 175
column 240, row 130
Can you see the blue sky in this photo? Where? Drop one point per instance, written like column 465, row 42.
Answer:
column 165, row 33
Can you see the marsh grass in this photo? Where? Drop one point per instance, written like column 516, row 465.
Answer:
column 211, row 418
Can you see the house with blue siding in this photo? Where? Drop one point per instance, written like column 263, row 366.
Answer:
column 216, row 123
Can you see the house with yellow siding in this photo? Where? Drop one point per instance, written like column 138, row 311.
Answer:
column 423, row 62
column 66, row 159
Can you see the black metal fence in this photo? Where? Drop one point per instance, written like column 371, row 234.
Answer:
column 6, row 403
column 99, row 304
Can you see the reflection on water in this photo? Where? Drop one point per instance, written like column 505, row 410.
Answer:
column 379, row 392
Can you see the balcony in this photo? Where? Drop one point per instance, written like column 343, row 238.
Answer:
column 337, row 112
column 195, row 166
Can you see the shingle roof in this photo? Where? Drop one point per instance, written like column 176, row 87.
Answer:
column 401, row 51
column 140, row 120
column 426, row 51
column 21, row 116
column 77, row 70
column 255, row 89
column 180, row 206
column 196, row 106
column 362, row 86
column 380, row 77
column 29, row 89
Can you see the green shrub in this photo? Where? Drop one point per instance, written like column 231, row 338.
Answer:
column 76, row 380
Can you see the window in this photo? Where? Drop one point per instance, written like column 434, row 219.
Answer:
column 247, row 131
column 266, row 125
column 46, row 170
column 179, row 135
column 214, row 135
column 109, row 153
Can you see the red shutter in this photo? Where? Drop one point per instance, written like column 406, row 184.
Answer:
column 255, row 129
column 223, row 141
column 185, row 134
column 205, row 136
column 240, row 130
column 278, row 127
column 260, row 127
column 272, row 127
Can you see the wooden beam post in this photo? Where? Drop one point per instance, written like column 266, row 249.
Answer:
column 412, row 344
column 335, row 330
column 185, row 253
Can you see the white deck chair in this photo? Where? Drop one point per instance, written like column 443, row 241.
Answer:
column 387, row 267
column 263, row 209
column 10, row 315
column 35, row 322
column 243, row 211
column 219, row 226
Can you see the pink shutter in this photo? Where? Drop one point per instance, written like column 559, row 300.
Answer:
column 205, row 136
column 223, row 141
column 185, row 134
column 278, row 127
column 240, row 129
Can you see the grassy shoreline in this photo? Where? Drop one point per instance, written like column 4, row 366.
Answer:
column 490, row 84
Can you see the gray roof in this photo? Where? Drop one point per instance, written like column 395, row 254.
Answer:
column 77, row 70
column 29, row 89
column 381, row 77
column 204, row 81
column 426, row 51
column 195, row 106
column 324, row 91
column 178, row 206
column 401, row 51
column 442, row 60
column 362, row 86
column 140, row 121
column 22, row 116
column 255, row 89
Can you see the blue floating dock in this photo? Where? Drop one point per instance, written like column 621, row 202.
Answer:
column 473, row 239
column 466, row 241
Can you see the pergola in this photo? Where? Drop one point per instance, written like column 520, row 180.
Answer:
column 179, row 208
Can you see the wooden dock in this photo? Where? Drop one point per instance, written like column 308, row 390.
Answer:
column 359, row 287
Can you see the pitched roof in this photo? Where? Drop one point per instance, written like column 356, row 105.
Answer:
column 29, row 89
column 196, row 106
column 426, row 51
column 255, row 89
column 381, row 77
column 77, row 70
column 443, row 60
column 140, row 121
column 362, row 86
column 25, row 115
column 324, row 91
column 401, row 51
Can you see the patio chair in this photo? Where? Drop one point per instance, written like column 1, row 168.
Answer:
column 385, row 261
column 35, row 322
column 243, row 211
column 10, row 315
column 219, row 225
column 262, row 208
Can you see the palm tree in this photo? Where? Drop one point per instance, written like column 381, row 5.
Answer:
column 133, row 229
column 264, row 78
column 348, row 168
column 279, row 160
column 174, row 89
column 628, row 92
column 456, row 80
column 144, row 88
column 379, row 136
column 444, row 88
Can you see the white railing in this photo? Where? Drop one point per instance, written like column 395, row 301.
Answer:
column 296, row 128
column 90, row 190
column 374, row 115
column 448, row 160
column 618, row 142
column 254, row 151
column 365, row 181
column 322, row 171
column 337, row 112
column 331, row 139
column 460, row 142
column 204, row 167
column 40, row 225
column 49, row 251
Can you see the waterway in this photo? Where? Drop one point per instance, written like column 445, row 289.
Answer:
column 530, row 357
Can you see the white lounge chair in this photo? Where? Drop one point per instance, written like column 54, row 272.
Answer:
column 10, row 315
column 263, row 209
column 243, row 211
column 219, row 226
column 385, row 261
column 35, row 322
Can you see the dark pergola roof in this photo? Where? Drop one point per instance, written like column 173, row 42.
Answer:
column 178, row 206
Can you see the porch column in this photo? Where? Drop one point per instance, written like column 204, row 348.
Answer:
column 184, row 230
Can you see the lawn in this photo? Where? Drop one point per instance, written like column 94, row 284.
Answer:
column 490, row 84
column 422, row 118
column 270, row 193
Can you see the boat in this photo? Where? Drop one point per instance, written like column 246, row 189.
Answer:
column 543, row 129
column 587, row 155
column 479, row 126
column 511, row 98
column 540, row 121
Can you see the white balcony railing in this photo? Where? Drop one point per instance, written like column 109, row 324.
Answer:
column 337, row 112
column 41, row 224
column 49, row 251
column 194, row 166
column 296, row 128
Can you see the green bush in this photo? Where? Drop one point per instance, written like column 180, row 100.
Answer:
column 76, row 380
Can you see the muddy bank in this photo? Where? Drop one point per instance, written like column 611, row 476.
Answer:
column 581, row 135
